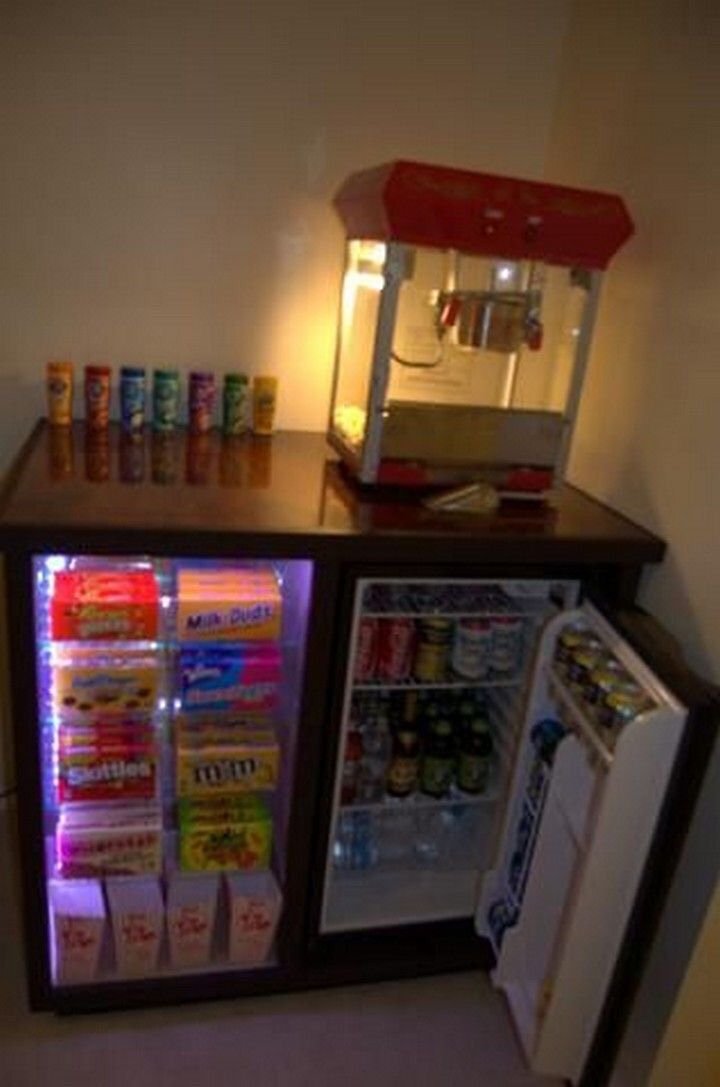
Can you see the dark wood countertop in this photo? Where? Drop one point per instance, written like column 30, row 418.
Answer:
column 75, row 489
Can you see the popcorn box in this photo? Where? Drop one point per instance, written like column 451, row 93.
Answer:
column 240, row 679
column 225, row 604
column 224, row 833
column 235, row 759
column 77, row 912
column 191, row 908
column 254, row 904
column 104, row 605
column 88, row 684
column 136, row 908
column 109, row 841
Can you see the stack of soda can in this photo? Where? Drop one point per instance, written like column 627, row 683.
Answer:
column 606, row 690
column 438, row 649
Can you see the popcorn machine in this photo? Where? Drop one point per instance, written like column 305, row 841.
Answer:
column 465, row 324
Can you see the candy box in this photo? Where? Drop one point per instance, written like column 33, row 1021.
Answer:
column 254, row 904
column 136, row 908
column 77, row 913
column 238, row 680
column 86, row 683
column 228, row 760
column 104, row 605
column 94, row 765
column 116, row 839
column 224, row 833
column 222, row 605
column 191, row 908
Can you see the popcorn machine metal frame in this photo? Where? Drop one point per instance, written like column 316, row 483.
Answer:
column 405, row 211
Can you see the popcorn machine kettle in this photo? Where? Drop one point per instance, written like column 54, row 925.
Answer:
column 465, row 324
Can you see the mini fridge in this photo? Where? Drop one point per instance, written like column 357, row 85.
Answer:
column 510, row 754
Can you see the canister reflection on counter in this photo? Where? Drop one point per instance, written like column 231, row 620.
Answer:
column 132, row 456
column 259, row 461
column 232, row 455
column 198, row 458
column 97, row 455
column 163, row 457
column 61, row 453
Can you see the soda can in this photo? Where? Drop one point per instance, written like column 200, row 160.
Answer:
column 590, row 654
column 166, row 399
column 366, row 650
column 97, row 397
column 604, row 679
column 132, row 457
column 622, row 706
column 569, row 639
column 396, row 645
column 59, row 393
column 433, row 649
column 235, row 404
column 132, row 398
column 471, row 648
column 507, row 644
column 201, row 401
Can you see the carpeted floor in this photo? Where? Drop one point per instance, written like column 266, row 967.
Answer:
column 444, row 1031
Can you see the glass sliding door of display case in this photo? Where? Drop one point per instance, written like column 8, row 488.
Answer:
column 169, row 693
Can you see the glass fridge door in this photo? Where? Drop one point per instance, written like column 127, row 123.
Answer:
column 431, row 712
column 169, row 695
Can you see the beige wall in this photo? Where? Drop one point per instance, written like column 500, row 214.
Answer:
column 168, row 167
column 638, row 112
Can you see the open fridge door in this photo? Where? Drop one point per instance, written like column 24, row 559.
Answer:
column 599, row 741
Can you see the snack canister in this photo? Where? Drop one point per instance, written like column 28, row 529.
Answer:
column 201, row 401
column 235, row 396
column 264, row 403
column 97, row 397
column 166, row 399
column 132, row 397
column 59, row 393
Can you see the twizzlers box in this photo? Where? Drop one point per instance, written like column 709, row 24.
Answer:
column 104, row 605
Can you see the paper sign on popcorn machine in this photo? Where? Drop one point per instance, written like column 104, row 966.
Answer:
column 465, row 324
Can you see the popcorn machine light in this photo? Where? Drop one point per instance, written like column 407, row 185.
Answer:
column 465, row 324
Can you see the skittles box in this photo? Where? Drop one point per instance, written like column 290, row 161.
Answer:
column 228, row 604
column 104, row 605
column 239, row 679
column 117, row 762
column 229, row 759
column 225, row 834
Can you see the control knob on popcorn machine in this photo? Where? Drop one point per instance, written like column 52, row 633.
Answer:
column 465, row 324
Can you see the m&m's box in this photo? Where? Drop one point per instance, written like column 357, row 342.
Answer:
column 104, row 605
column 228, row 759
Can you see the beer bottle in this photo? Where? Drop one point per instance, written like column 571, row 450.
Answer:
column 439, row 759
column 476, row 751
column 402, row 775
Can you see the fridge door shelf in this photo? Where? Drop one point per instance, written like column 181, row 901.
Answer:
column 441, row 685
column 576, row 718
column 423, row 803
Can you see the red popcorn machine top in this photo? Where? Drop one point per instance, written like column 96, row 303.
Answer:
column 465, row 324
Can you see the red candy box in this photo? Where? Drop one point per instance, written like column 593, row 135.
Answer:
column 104, row 605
